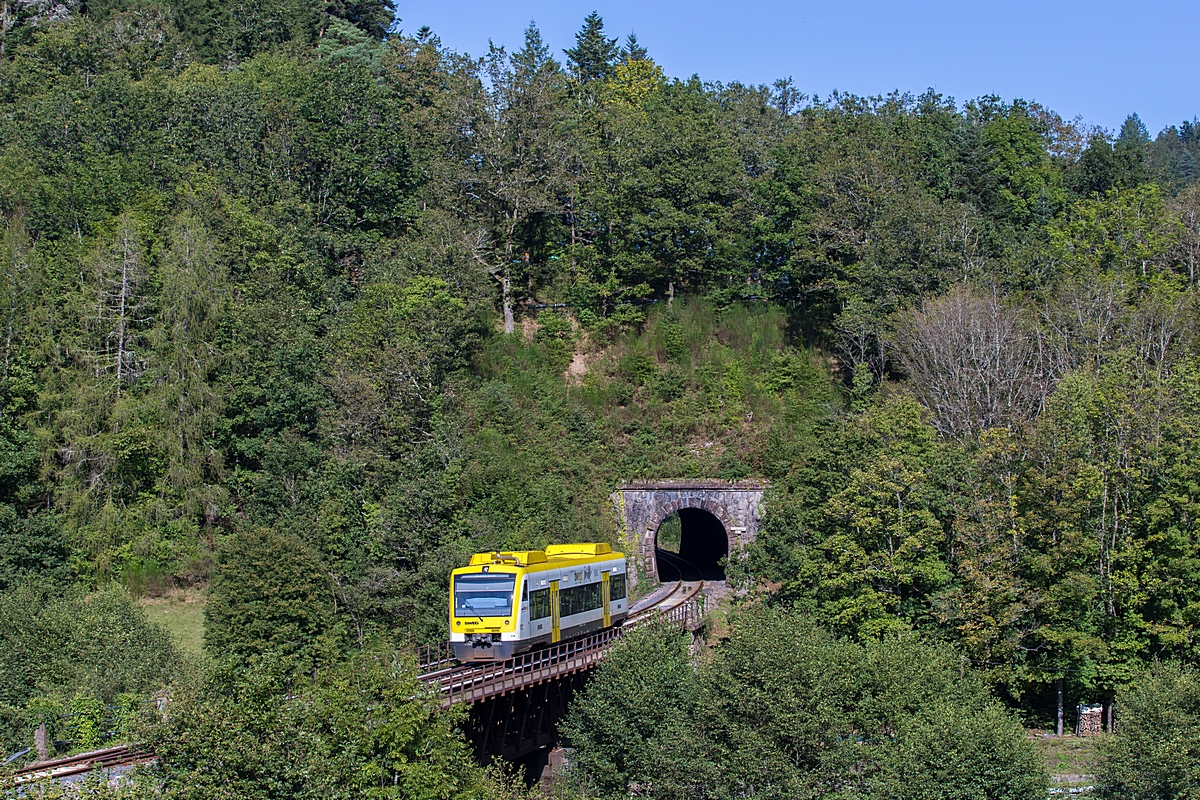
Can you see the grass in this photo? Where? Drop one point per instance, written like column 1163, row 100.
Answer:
column 181, row 612
column 1070, row 759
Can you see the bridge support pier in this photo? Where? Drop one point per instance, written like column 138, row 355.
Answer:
column 522, row 721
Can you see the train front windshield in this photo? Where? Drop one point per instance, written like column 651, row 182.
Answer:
column 486, row 594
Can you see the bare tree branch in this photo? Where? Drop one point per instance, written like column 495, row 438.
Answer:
column 974, row 362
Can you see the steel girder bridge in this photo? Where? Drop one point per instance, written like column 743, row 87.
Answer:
column 515, row 705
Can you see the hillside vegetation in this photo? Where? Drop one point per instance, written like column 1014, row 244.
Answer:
column 299, row 309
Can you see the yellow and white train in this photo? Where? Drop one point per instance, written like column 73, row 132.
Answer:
column 508, row 603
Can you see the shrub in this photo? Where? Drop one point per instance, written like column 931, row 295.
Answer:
column 270, row 594
column 783, row 709
column 1155, row 751
column 75, row 652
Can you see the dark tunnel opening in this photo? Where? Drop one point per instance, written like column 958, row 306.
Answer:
column 689, row 545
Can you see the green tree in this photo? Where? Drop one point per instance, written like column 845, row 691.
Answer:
column 777, row 716
column 1130, row 150
column 1097, row 170
column 1171, row 163
column 31, row 546
column 1156, row 750
column 1020, row 184
column 270, row 594
column 594, row 54
column 956, row 751
column 1127, row 231
column 664, row 193
column 633, row 50
column 877, row 552
column 521, row 159
column 635, row 727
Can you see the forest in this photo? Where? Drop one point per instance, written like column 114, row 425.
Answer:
column 301, row 308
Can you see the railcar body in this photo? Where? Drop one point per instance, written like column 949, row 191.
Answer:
column 502, row 604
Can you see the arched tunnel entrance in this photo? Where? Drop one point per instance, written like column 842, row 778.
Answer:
column 690, row 545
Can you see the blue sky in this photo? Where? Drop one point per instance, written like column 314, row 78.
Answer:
column 1099, row 60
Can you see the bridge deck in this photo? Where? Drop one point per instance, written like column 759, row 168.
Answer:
column 475, row 683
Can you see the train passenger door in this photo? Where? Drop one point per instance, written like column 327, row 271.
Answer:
column 555, row 629
column 606, row 597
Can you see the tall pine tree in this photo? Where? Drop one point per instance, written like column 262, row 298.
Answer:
column 1130, row 151
column 594, row 55
column 534, row 58
column 633, row 50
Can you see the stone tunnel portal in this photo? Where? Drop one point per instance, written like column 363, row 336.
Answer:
column 698, row 552
column 719, row 519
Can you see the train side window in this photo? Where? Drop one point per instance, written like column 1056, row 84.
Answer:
column 616, row 587
column 525, row 590
column 539, row 604
column 579, row 599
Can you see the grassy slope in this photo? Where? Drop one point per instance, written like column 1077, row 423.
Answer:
column 181, row 612
column 1070, row 759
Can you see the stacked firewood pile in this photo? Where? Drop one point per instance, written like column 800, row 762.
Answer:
column 1089, row 720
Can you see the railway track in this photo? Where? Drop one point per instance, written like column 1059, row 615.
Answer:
column 480, row 681
column 120, row 756
column 681, row 591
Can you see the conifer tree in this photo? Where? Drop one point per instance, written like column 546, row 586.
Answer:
column 1130, row 150
column 594, row 54
column 633, row 50
column 534, row 58
column 1133, row 131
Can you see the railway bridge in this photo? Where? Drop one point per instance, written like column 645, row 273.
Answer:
column 515, row 705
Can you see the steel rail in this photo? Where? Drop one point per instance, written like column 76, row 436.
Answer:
column 675, row 587
column 120, row 756
column 648, row 614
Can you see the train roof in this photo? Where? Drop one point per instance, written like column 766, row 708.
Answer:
column 554, row 555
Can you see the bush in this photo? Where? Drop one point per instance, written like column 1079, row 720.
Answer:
column 952, row 752
column 784, row 709
column 31, row 545
column 367, row 728
column 1155, row 751
column 270, row 594
column 74, row 652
